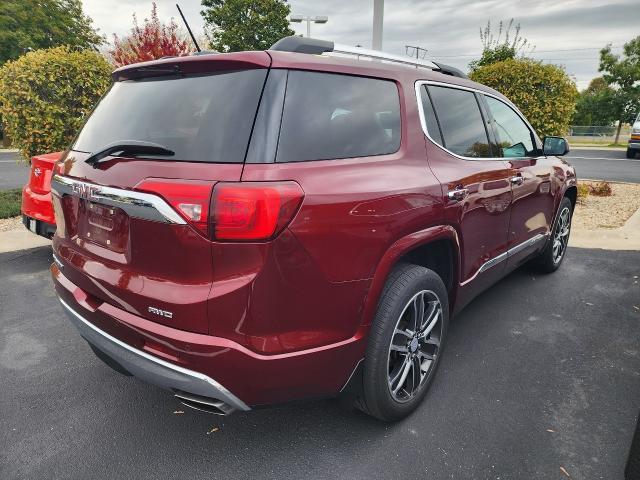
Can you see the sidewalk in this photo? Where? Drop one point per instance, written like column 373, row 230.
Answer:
column 20, row 239
column 626, row 237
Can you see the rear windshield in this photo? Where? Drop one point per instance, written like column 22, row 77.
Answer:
column 205, row 118
column 331, row 116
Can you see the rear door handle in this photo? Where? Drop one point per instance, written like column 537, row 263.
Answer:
column 517, row 180
column 458, row 194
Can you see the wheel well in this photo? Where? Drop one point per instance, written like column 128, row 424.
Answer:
column 437, row 256
column 572, row 194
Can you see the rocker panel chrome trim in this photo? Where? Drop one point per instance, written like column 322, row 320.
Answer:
column 509, row 253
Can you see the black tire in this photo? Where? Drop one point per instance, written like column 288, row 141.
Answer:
column 406, row 283
column 631, row 153
column 547, row 261
column 632, row 471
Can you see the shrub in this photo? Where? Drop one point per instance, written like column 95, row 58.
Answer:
column 148, row 42
column 45, row 94
column 583, row 192
column 544, row 93
column 600, row 189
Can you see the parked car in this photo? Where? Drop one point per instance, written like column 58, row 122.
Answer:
column 37, row 209
column 633, row 146
column 259, row 227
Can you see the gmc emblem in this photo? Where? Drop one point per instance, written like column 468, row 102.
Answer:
column 85, row 191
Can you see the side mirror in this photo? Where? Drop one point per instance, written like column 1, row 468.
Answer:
column 557, row 146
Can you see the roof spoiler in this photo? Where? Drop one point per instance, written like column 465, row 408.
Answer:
column 315, row 46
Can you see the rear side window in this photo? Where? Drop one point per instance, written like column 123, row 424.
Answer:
column 430, row 117
column 460, row 121
column 205, row 118
column 331, row 116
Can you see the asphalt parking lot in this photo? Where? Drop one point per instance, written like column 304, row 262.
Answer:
column 604, row 164
column 540, row 373
column 12, row 173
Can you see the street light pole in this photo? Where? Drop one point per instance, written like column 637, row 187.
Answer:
column 378, row 14
column 302, row 18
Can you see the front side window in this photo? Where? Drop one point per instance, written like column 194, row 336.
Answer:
column 331, row 116
column 514, row 137
column 460, row 121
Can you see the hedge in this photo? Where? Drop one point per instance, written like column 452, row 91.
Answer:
column 545, row 94
column 46, row 94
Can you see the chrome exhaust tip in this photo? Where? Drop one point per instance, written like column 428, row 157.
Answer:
column 204, row 404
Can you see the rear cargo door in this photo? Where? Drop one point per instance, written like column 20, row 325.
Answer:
column 133, row 227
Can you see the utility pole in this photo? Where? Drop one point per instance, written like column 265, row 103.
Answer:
column 378, row 14
column 420, row 52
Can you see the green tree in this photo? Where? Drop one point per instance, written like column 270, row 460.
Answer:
column 595, row 104
column 246, row 24
column 498, row 49
column 33, row 24
column 45, row 95
column 545, row 94
column 622, row 73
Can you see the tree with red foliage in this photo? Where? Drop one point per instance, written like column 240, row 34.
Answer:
column 148, row 42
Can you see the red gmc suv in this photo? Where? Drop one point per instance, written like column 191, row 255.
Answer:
column 258, row 227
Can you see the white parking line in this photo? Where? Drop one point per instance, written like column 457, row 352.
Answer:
column 604, row 158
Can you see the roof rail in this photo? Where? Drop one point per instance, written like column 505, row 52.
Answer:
column 318, row 47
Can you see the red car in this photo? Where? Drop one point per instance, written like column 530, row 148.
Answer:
column 258, row 227
column 37, row 209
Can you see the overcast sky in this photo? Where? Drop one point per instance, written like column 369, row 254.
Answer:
column 565, row 32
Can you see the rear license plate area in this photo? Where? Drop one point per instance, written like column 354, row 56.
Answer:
column 103, row 225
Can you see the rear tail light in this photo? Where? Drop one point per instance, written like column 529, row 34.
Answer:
column 251, row 211
column 235, row 211
column 190, row 198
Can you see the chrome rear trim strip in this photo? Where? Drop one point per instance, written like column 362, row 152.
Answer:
column 141, row 205
column 150, row 368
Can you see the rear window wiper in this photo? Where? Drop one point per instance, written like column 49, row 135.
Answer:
column 128, row 148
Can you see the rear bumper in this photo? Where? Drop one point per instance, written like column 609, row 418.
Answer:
column 38, row 206
column 634, row 144
column 39, row 227
column 149, row 368
column 205, row 365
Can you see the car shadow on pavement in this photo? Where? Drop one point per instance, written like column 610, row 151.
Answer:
column 540, row 372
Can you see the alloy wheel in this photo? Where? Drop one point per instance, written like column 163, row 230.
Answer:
column 561, row 235
column 414, row 345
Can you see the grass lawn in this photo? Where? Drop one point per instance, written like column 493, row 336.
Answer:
column 598, row 144
column 10, row 201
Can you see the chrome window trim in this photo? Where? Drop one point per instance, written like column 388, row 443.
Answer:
column 145, row 206
column 420, row 83
column 508, row 254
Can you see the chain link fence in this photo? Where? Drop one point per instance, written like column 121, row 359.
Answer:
column 598, row 134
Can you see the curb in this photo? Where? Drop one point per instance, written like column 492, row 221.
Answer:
column 626, row 237
column 21, row 239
